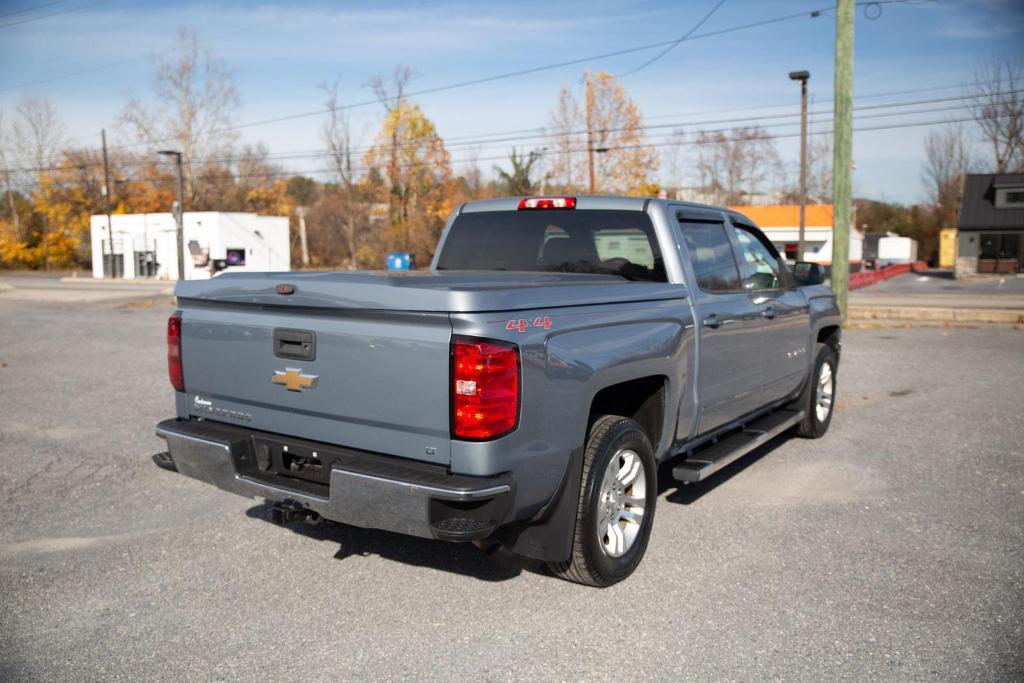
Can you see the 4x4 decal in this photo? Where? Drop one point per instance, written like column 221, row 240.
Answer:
column 523, row 325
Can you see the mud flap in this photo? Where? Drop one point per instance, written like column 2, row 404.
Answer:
column 549, row 539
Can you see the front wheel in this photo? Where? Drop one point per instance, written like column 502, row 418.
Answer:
column 819, row 396
column 618, row 492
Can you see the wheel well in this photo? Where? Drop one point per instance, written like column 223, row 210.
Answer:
column 829, row 336
column 642, row 400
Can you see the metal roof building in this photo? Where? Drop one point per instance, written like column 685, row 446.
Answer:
column 990, row 237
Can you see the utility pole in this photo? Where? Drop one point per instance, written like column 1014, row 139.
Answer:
column 106, row 195
column 180, row 214
column 590, row 131
column 301, row 210
column 802, row 76
column 842, row 181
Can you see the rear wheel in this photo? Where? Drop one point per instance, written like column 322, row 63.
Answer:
column 618, row 493
column 819, row 396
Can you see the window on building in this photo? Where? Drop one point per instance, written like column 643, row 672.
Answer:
column 996, row 246
column 1010, row 198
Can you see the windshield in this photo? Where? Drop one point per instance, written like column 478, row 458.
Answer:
column 598, row 242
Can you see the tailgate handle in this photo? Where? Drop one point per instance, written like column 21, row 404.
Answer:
column 294, row 344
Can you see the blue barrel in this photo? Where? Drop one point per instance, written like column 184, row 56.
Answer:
column 399, row 260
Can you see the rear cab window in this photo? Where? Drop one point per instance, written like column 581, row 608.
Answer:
column 599, row 242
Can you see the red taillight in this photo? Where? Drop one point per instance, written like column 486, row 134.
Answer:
column 174, row 352
column 547, row 203
column 485, row 388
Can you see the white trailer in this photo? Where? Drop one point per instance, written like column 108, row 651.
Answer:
column 895, row 249
column 145, row 244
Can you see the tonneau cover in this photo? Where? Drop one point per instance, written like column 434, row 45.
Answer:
column 425, row 291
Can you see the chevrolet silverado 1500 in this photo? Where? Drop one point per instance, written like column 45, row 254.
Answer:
column 523, row 391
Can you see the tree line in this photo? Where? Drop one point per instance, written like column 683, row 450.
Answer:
column 393, row 189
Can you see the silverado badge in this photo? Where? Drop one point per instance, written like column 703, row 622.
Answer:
column 293, row 379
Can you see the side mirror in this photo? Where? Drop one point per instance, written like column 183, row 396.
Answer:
column 808, row 273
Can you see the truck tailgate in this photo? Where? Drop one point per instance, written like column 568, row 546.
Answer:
column 381, row 377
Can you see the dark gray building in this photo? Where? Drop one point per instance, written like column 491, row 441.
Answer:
column 991, row 225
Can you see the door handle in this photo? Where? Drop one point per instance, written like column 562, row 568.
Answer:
column 714, row 322
column 768, row 312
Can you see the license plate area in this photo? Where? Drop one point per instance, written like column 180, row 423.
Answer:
column 285, row 459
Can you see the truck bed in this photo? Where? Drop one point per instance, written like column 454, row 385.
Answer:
column 378, row 370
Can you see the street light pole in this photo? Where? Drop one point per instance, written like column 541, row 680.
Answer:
column 106, row 196
column 180, row 217
column 803, row 77
column 589, row 96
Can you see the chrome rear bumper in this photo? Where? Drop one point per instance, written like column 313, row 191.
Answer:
column 363, row 489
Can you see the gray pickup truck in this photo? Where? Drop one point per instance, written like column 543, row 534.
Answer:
column 525, row 391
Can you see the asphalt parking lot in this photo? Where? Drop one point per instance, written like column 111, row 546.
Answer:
column 892, row 549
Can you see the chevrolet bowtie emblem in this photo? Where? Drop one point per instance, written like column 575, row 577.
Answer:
column 294, row 380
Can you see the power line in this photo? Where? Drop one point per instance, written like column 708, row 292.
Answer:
column 675, row 143
column 539, row 135
column 498, row 77
column 510, row 74
column 671, row 47
column 53, row 14
column 482, row 137
column 31, row 9
column 148, row 55
column 695, row 126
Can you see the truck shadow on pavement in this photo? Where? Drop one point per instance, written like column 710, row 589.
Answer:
column 465, row 558
column 458, row 558
column 688, row 494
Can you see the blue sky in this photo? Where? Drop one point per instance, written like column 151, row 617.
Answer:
column 279, row 53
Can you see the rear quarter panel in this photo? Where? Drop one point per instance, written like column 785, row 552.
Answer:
column 564, row 365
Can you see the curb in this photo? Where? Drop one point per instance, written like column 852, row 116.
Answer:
column 89, row 280
column 1001, row 316
column 6, row 288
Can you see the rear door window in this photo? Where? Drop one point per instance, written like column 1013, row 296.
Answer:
column 711, row 255
column 619, row 243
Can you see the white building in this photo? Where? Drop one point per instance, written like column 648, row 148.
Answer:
column 781, row 224
column 145, row 244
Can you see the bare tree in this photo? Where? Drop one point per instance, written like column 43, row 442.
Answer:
column 819, row 173
column 678, row 162
column 7, row 172
column 34, row 140
column 472, row 176
column 997, row 105
column 195, row 104
column 947, row 161
column 567, row 158
column 390, row 90
column 819, row 169
column 336, row 134
column 736, row 165
column 37, row 132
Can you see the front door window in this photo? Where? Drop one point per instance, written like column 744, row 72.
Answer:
column 759, row 267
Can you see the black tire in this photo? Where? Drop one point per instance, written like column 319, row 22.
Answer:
column 813, row 426
column 590, row 564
